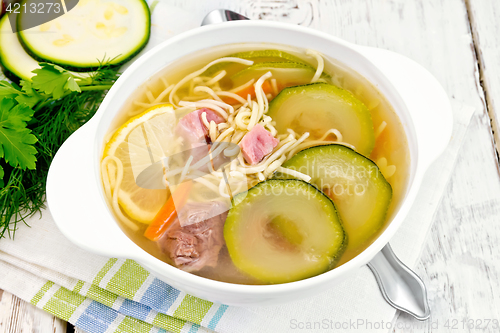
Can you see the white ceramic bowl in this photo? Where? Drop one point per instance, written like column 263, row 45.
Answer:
column 74, row 190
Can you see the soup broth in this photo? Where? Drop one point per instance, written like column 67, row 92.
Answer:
column 389, row 152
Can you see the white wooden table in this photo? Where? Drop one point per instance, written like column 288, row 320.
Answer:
column 459, row 42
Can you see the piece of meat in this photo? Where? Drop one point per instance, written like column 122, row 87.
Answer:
column 192, row 129
column 257, row 143
column 196, row 245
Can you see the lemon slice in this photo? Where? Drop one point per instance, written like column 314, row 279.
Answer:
column 138, row 143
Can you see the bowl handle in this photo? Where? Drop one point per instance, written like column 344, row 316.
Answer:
column 81, row 215
column 427, row 101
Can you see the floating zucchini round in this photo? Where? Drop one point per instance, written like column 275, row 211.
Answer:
column 257, row 56
column 319, row 107
column 92, row 32
column 287, row 73
column 283, row 230
column 357, row 187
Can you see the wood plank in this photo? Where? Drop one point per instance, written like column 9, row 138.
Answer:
column 485, row 27
column 17, row 315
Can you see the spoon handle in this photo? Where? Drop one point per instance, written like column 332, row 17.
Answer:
column 400, row 286
column 222, row 15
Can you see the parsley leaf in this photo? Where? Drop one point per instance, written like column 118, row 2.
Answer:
column 29, row 96
column 16, row 141
column 54, row 80
column 25, row 95
column 8, row 90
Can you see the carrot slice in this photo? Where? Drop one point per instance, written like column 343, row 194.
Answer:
column 168, row 212
column 250, row 90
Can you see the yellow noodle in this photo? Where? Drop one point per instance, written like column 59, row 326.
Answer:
column 273, row 166
column 186, row 168
column 207, row 183
column 212, row 130
column 232, row 95
column 338, row 135
column 225, row 134
column 294, row 173
column 380, row 129
column 237, row 136
column 150, row 96
column 115, row 192
column 243, row 86
column 208, row 91
column 216, row 78
column 164, row 81
column 164, row 93
column 222, row 126
column 320, row 66
column 200, row 71
column 274, row 85
column 205, row 104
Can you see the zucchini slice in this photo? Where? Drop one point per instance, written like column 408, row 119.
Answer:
column 283, row 230
column 257, row 56
column 319, row 107
column 355, row 184
column 268, row 56
column 94, row 31
column 15, row 62
column 286, row 73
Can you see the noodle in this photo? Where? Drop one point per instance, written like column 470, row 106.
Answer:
column 114, row 190
column 201, row 71
column 212, row 130
column 209, row 91
column 274, row 85
column 150, row 96
column 321, row 64
column 216, row 78
column 164, row 93
column 204, row 119
column 294, row 173
column 186, row 168
column 243, row 86
column 232, row 95
column 380, row 129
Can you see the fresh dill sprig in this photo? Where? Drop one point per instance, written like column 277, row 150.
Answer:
column 53, row 121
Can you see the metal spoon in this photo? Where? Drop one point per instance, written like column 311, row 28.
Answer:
column 222, row 15
column 400, row 286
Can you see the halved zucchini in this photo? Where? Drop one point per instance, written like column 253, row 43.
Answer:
column 283, row 230
column 357, row 187
column 319, row 107
column 15, row 62
column 93, row 31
